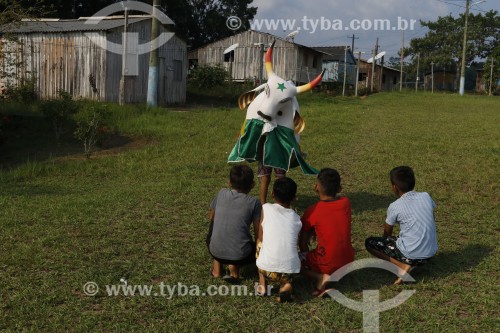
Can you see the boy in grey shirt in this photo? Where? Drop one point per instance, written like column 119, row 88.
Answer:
column 232, row 212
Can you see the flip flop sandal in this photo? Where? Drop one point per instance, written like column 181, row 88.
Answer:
column 324, row 293
column 231, row 280
column 286, row 297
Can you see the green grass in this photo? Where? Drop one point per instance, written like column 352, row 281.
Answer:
column 142, row 214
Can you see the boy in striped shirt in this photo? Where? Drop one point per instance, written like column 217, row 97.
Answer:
column 414, row 212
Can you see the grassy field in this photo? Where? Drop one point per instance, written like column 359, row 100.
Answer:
column 142, row 214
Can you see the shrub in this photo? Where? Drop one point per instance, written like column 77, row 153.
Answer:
column 58, row 111
column 209, row 76
column 24, row 93
column 91, row 125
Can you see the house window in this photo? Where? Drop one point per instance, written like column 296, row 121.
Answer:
column 305, row 61
column 315, row 62
column 177, row 70
column 362, row 77
column 229, row 57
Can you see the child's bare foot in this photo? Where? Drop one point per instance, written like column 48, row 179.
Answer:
column 261, row 290
column 216, row 270
column 323, row 279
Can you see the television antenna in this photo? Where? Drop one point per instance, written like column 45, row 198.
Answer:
column 377, row 57
column 292, row 35
column 231, row 48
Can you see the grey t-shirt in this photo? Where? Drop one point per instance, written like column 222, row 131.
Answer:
column 234, row 213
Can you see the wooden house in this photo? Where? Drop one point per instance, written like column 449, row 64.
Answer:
column 444, row 80
column 336, row 60
column 68, row 55
column 384, row 78
column 291, row 61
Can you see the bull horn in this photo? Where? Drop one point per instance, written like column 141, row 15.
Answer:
column 312, row 84
column 269, row 59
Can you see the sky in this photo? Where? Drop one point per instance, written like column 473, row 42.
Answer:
column 339, row 14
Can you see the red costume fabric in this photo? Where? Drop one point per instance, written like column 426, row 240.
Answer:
column 331, row 221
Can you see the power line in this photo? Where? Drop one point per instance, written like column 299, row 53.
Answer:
column 454, row 4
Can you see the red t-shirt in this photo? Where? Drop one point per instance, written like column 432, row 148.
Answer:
column 331, row 221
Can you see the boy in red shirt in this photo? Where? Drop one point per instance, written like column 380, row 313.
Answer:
column 330, row 220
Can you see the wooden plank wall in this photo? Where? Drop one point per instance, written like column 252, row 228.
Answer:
column 60, row 62
column 288, row 58
column 64, row 61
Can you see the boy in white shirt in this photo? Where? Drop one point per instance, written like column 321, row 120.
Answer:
column 414, row 212
column 278, row 258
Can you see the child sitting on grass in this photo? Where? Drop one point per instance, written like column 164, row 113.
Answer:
column 330, row 220
column 414, row 212
column 232, row 212
column 278, row 258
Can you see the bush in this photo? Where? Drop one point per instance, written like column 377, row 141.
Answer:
column 24, row 93
column 209, row 76
column 58, row 111
column 91, row 125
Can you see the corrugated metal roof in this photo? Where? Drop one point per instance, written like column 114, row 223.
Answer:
column 334, row 53
column 65, row 25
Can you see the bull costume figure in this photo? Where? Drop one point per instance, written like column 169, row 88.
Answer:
column 273, row 123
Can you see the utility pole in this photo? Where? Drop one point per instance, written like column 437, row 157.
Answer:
column 491, row 74
column 380, row 79
column 261, row 72
column 402, row 62
column 464, row 50
column 432, row 77
column 418, row 68
column 353, row 37
column 153, row 58
column 124, row 59
column 357, row 73
column 375, row 52
column 345, row 70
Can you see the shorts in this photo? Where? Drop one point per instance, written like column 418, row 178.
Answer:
column 282, row 278
column 312, row 265
column 266, row 171
column 387, row 245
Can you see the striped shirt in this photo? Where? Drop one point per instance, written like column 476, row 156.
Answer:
column 414, row 211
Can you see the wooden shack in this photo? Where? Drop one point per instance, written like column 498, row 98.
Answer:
column 336, row 61
column 384, row 79
column 68, row 55
column 291, row 61
column 444, row 80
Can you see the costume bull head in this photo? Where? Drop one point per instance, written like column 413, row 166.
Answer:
column 272, row 123
column 277, row 104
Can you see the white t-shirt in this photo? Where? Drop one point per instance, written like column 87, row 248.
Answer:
column 281, row 227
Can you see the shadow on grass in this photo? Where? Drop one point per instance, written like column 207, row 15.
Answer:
column 441, row 266
column 33, row 191
column 365, row 201
column 31, row 139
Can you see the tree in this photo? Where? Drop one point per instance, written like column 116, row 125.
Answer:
column 443, row 42
column 15, row 10
column 198, row 21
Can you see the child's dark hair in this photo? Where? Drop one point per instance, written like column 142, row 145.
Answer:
column 284, row 190
column 403, row 177
column 329, row 180
column 241, row 178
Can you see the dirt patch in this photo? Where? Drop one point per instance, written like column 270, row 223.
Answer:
column 28, row 139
